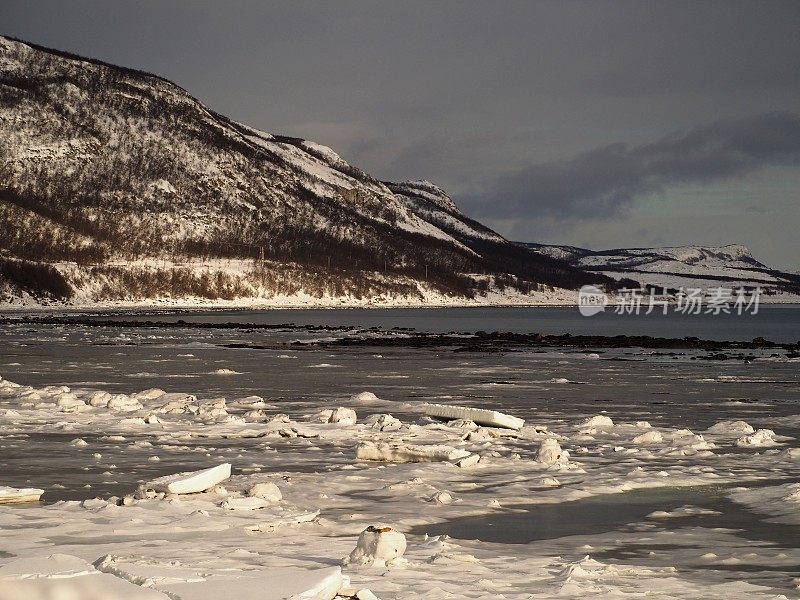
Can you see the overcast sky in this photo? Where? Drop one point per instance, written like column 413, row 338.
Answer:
column 598, row 124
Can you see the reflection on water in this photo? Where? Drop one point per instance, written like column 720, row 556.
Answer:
column 618, row 512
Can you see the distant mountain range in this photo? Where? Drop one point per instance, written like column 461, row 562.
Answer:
column 673, row 268
column 118, row 187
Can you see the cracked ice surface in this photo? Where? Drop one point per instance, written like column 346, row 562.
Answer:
column 663, row 501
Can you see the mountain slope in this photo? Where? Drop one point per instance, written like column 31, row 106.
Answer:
column 117, row 184
column 681, row 266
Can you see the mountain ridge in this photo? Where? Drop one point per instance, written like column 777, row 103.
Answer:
column 673, row 267
column 106, row 166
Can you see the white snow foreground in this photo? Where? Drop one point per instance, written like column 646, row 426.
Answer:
column 191, row 482
column 236, row 537
column 242, row 584
column 481, row 416
column 65, row 577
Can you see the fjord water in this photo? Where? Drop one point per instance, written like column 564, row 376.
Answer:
column 780, row 323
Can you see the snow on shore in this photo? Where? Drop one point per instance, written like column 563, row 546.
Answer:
column 321, row 531
column 91, row 290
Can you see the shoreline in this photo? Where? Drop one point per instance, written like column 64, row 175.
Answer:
column 476, row 341
column 212, row 306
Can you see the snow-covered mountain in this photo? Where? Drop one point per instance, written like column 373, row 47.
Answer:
column 119, row 185
column 680, row 266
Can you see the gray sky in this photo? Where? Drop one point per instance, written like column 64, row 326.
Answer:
column 599, row 124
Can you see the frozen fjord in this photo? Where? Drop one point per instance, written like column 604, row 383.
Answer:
column 313, row 463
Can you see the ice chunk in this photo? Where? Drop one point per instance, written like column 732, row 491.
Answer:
column 174, row 404
column 245, row 503
column 469, row 461
column 462, row 424
column 191, row 482
column 123, row 403
column 762, row 437
column 340, row 415
column 224, row 372
column 378, row 545
column 151, row 394
column 731, row 427
column 550, row 453
column 99, row 399
column 10, row 495
column 68, row 402
column 364, row 398
column 598, row 421
column 384, row 422
column 212, row 409
column 266, row 490
column 480, row 435
column 651, row 437
column 405, row 453
column 443, row 497
column 481, row 416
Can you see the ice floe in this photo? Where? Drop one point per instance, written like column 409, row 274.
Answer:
column 481, row 416
column 191, row 482
column 10, row 495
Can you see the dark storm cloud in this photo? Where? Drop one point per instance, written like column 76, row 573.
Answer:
column 603, row 182
column 467, row 93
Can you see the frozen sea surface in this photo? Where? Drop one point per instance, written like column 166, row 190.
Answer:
column 698, row 530
column 662, row 387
